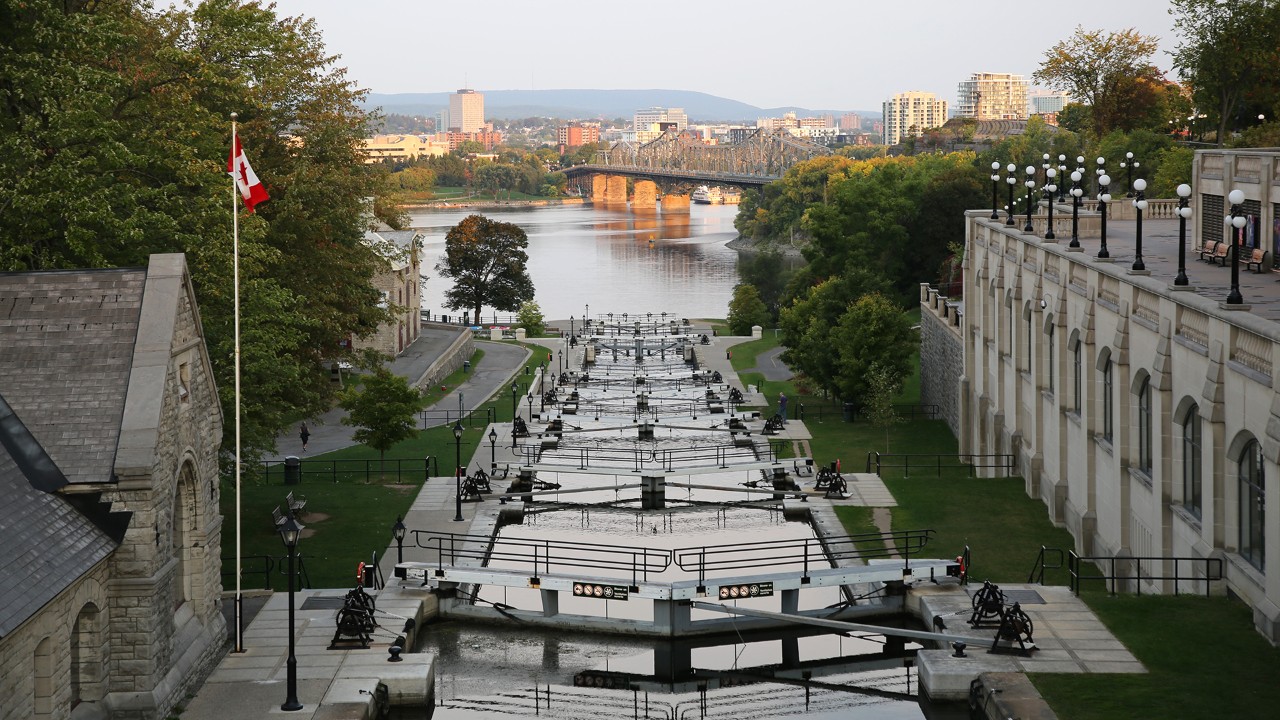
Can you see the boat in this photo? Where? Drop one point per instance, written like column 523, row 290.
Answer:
column 707, row 195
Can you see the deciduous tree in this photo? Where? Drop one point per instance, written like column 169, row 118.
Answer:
column 746, row 310
column 487, row 261
column 1104, row 70
column 383, row 409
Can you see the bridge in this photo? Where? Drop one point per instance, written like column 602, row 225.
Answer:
column 676, row 159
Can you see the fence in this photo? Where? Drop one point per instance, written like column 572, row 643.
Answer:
column 585, row 456
column 846, row 412
column 264, row 566
column 1006, row 464
column 1130, row 569
column 811, row 553
column 478, row 418
column 351, row 471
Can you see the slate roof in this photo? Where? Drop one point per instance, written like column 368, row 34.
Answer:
column 66, row 347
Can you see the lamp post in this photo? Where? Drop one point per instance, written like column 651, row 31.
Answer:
column 457, row 472
column 1076, row 192
column 1129, row 165
column 995, row 190
column 1031, row 184
column 1049, row 189
column 1238, row 221
column 1011, row 180
column 1080, row 169
column 530, row 404
column 515, row 392
column 1184, row 212
column 397, row 532
column 1139, row 203
column 290, row 531
column 1062, row 173
column 572, row 331
column 1103, row 198
column 493, row 450
column 1045, row 166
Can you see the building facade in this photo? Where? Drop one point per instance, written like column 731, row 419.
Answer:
column 1044, row 103
column 402, row 147
column 400, row 283
column 992, row 96
column 1144, row 415
column 910, row 114
column 466, row 111
column 109, row 432
column 649, row 119
column 577, row 134
column 851, row 121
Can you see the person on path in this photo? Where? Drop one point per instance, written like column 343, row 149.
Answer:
column 305, row 434
column 782, row 406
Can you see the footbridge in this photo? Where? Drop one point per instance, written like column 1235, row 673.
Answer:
column 678, row 161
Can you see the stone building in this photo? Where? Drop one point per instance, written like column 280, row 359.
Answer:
column 109, row 433
column 1145, row 415
column 399, row 281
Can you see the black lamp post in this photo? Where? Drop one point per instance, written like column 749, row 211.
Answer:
column 530, row 405
column 1049, row 189
column 560, row 356
column 457, row 472
column 515, row 392
column 1031, row 184
column 1045, row 166
column 1140, row 204
column 1011, row 180
column 1076, row 192
column 1062, row 173
column 1128, row 164
column 1080, row 169
column 493, row 450
column 995, row 191
column 1103, row 198
column 397, row 532
column 290, row 531
column 1237, row 226
column 572, row 331
column 1184, row 212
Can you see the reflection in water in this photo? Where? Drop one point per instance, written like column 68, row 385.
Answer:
column 634, row 262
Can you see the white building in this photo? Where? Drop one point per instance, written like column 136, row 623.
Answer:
column 911, row 113
column 992, row 96
column 1045, row 102
column 652, row 119
column 466, row 111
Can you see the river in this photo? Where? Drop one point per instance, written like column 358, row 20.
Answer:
column 618, row 260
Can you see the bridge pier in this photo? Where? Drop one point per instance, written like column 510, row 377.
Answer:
column 675, row 203
column 615, row 190
column 646, row 195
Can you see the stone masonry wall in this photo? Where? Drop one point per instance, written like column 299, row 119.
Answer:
column 941, row 355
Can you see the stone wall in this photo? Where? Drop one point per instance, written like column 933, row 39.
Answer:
column 941, row 355
column 459, row 351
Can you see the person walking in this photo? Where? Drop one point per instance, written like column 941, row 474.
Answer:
column 305, row 434
column 782, row 407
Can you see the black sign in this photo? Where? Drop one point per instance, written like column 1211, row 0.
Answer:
column 748, row 590
column 603, row 592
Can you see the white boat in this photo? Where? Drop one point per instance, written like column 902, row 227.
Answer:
column 707, row 195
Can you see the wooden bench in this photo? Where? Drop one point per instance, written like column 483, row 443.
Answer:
column 278, row 517
column 1208, row 249
column 296, row 505
column 1221, row 255
column 1257, row 260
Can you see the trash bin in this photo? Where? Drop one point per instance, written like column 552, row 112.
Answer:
column 292, row 470
column 848, row 412
column 368, row 578
column 466, row 366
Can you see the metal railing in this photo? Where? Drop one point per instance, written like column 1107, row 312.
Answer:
column 542, row 556
column 811, row 553
column 1130, row 569
column 350, row 470
column 265, row 566
column 1043, row 563
column 1007, row 464
column 471, row 419
column 583, row 457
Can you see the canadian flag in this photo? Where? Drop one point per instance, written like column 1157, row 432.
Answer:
column 247, row 181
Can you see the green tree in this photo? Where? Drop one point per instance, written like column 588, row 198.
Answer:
column 1173, row 169
column 874, row 332
column 530, row 318
column 487, row 261
column 1104, row 71
column 383, row 409
column 468, row 147
column 809, row 322
column 883, row 387
column 746, row 310
column 767, row 270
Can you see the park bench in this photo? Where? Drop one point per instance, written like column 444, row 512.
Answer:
column 1221, row 254
column 278, row 517
column 1208, row 249
column 296, row 504
column 1257, row 260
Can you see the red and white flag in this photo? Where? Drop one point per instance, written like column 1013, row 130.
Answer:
column 247, row 181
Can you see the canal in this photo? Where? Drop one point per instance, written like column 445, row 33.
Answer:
column 632, row 261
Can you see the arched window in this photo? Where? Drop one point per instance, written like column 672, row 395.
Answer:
column 1144, row 426
column 1191, row 488
column 42, row 698
column 1048, row 358
column 1076, row 377
column 1252, row 504
column 1107, row 424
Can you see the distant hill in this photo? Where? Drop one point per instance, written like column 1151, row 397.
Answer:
column 584, row 104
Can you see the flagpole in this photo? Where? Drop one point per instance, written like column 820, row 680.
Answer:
column 235, row 273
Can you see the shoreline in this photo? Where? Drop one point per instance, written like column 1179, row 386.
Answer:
column 488, row 204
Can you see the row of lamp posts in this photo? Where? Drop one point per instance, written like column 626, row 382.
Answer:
column 1137, row 190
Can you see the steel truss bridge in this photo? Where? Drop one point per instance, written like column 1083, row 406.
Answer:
column 758, row 159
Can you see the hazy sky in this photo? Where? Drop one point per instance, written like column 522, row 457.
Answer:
column 818, row 54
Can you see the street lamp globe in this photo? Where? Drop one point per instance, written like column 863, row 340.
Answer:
column 1184, row 191
column 1236, row 197
column 995, row 167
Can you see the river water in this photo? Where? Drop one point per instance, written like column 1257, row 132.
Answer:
column 623, row 261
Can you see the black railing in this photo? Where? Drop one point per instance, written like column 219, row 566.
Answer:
column 1131, row 569
column 480, row 417
column 350, row 471
column 1047, row 559
column 940, row 462
column 584, row 456
column 265, row 566
column 811, row 411
column 542, row 556
column 811, row 553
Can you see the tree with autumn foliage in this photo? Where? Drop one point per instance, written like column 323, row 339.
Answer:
column 486, row 259
column 1110, row 72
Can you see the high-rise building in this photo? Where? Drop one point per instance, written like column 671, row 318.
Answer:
column 1042, row 103
column 911, row 113
column 644, row 119
column 851, row 121
column 466, row 111
column 992, row 96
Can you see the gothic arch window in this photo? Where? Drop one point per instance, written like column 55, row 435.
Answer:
column 183, row 534
column 1077, row 371
column 88, row 656
column 1107, row 379
column 1050, row 349
column 1249, row 474
column 1144, row 426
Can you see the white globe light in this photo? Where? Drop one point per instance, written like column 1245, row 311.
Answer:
column 1141, row 204
column 995, row 166
column 1011, row 180
column 1079, row 159
column 994, row 177
column 1051, row 188
column 1046, row 156
column 1227, row 221
column 1184, row 190
column 1137, row 164
column 1184, row 212
column 1129, row 155
column 1105, row 197
column 1062, row 158
column 1051, row 172
column 1237, row 222
column 1105, row 180
column 1102, row 161
column 1077, row 192
column 1075, row 176
column 1011, row 167
column 1031, row 169
column 1236, row 197
column 1030, row 184
column 1139, row 184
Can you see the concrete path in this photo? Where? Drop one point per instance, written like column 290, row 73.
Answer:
column 769, row 363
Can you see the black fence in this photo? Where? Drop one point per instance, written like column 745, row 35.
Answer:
column 471, row 419
column 259, row 572
column 542, row 556
column 811, row 411
column 937, row 463
column 585, row 456
column 1115, row 571
column 351, row 471
column 812, row 553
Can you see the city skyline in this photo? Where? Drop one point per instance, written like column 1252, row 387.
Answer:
column 744, row 51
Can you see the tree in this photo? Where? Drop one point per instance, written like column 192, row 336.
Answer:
column 883, row 386
column 486, row 260
column 1102, row 70
column 873, row 332
column 530, row 318
column 746, row 310
column 1228, row 54
column 468, row 147
column 767, row 270
column 383, row 410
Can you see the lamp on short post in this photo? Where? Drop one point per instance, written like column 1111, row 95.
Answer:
column 1049, row 189
column 1062, row 173
column 995, row 191
column 397, row 531
column 1184, row 212
column 1237, row 221
column 1103, row 198
column 290, row 532
column 1011, row 180
column 515, row 393
column 493, row 450
column 457, row 472
column 1139, row 204
column 1031, row 185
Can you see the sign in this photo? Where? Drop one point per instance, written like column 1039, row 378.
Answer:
column 749, row 590
column 603, row 592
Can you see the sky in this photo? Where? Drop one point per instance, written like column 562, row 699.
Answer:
column 816, row 54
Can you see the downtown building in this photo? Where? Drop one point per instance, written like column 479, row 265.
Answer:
column 992, row 96
column 910, row 113
column 466, row 111
column 577, row 134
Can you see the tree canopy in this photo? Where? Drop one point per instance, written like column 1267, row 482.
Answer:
column 487, row 261
column 383, row 410
column 1111, row 72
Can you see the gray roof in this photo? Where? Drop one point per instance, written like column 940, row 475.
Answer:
column 66, row 348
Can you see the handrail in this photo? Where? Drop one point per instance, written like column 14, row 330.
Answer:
column 585, row 456
column 823, row 552
column 1212, row 571
column 542, row 555
column 269, row 565
column 348, row 470
column 1006, row 463
column 1037, row 571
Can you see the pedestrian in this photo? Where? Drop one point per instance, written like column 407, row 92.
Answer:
column 305, row 434
column 782, row 406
